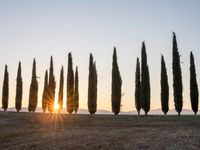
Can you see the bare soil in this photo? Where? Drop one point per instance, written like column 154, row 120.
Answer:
column 63, row 131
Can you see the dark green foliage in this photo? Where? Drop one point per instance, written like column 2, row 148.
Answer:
column 177, row 77
column 5, row 92
column 116, row 85
column 138, row 103
column 52, row 87
column 70, row 85
column 45, row 95
column 164, row 87
column 60, row 93
column 76, row 91
column 92, row 87
column 19, row 89
column 95, row 84
column 145, row 81
column 33, row 93
column 194, row 92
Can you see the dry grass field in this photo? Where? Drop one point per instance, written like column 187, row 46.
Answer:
column 54, row 131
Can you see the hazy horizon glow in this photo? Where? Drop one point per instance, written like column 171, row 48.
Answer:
column 39, row 29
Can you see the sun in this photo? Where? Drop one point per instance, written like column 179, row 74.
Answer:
column 56, row 106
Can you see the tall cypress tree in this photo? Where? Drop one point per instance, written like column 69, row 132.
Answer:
column 92, row 87
column 194, row 92
column 5, row 92
column 70, row 85
column 52, row 87
column 76, row 91
column 95, row 85
column 138, row 103
column 164, row 87
column 19, row 89
column 177, row 77
column 33, row 93
column 116, row 85
column 145, row 81
column 45, row 95
column 60, row 93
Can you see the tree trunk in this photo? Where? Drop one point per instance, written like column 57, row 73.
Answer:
column 138, row 112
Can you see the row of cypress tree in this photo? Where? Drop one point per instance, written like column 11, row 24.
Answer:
column 177, row 82
column 48, row 95
column 72, row 88
column 142, row 85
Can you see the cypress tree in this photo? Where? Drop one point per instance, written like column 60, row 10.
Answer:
column 138, row 103
column 76, row 91
column 145, row 81
column 92, row 87
column 5, row 92
column 95, row 86
column 164, row 87
column 60, row 93
column 45, row 95
column 116, row 85
column 52, row 87
column 194, row 92
column 177, row 77
column 70, row 85
column 33, row 93
column 19, row 90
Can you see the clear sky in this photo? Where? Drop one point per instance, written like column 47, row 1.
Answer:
column 40, row 29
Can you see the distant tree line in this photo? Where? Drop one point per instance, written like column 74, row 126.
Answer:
column 142, row 85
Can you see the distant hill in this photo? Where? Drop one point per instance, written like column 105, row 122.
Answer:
column 159, row 111
column 80, row 111
column 101, row 111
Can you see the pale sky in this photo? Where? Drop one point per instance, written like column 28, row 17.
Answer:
column 39, row 29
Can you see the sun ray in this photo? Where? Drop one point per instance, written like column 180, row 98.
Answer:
column 56, row 106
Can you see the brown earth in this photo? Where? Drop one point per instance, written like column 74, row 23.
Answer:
column 54, row 131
